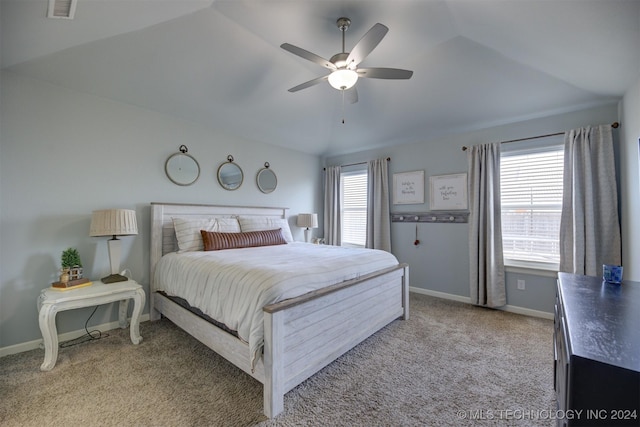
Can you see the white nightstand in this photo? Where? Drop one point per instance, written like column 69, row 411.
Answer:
column 51, row 301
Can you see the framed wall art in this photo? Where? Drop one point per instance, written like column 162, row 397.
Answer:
column 448, row 192
column 408, row 188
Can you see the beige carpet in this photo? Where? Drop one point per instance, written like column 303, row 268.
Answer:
column 448, row 363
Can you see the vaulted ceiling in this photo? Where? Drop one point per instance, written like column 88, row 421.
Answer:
column 476, row 63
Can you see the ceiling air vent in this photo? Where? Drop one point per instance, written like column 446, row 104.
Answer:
column 64, row 9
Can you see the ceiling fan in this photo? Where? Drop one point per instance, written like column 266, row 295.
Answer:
column 344, row 65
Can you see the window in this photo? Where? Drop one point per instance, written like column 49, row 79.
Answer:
column 354, row 208
column 531, row 198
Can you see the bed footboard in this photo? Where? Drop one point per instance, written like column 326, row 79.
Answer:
column 305, row 334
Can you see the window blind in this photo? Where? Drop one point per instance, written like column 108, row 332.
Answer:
column 531, row 198
column 354, row 208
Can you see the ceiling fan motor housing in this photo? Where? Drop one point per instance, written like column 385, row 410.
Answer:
column 340, row 59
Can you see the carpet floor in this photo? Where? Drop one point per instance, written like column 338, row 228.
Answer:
column 450, row 364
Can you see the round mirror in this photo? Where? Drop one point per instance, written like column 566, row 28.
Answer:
column 266, row 179
column 181, row 168
column 230, row 175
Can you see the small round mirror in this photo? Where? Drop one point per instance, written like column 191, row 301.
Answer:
column 181, row 168
column 266, row 179
column 230, row 175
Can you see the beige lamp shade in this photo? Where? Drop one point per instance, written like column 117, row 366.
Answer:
column 307, row 220
column 113, row 222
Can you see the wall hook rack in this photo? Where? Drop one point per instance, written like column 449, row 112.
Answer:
column 434, row 217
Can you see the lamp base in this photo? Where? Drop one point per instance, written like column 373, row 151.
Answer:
column 113, row 278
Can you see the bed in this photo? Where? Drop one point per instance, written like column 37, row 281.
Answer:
column 300, row 334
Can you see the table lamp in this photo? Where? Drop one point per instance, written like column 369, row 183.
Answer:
column 114, row 222
column 307, row 221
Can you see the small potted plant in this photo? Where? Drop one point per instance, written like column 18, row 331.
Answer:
column 71, row 265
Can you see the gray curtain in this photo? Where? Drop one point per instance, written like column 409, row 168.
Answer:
column 332, row 203
column 378, row 215
column 589, row 226
column 486, row 270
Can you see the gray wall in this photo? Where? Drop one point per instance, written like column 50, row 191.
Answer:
column 440, row 264
column 65, row 154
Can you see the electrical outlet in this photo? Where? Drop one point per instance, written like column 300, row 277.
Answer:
column 521, row 284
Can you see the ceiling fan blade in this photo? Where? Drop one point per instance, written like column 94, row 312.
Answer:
column 351, row 95
column 309, row 83
column 367, row 43
column 384, row 73
column 308, row 55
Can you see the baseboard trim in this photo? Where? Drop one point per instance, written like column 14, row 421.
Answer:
column 510, row 308
column 32, row 345
column 442, row 295
column 528, row 312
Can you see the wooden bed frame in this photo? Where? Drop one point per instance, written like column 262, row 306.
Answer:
column 301, row 335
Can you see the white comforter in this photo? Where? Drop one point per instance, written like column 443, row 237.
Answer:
column 233, row 285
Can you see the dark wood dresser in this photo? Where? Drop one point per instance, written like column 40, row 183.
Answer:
column 597, row 351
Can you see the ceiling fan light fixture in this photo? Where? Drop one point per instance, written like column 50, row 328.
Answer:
column 343, row 79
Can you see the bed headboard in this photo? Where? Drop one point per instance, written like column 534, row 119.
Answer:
column 163, row 237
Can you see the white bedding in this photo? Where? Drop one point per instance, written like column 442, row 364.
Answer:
column 232, row 286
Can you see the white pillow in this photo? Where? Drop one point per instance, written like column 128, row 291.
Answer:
column 188, row 230
column 227, row 225
column 260, row 223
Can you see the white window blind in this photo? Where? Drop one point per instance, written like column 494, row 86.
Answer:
column 354, row 208
column 531, row 198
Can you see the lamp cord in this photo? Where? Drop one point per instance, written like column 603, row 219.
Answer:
column 89, row 336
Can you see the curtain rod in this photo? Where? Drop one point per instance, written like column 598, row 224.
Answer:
column 355, row 164
column 614, row 125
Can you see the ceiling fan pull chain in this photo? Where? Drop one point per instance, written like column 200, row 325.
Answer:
column 342, row 106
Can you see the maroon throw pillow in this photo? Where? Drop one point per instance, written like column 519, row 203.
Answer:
column 215, row 241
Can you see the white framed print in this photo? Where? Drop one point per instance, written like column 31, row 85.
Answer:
column 448, row 192
column 408, row 188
